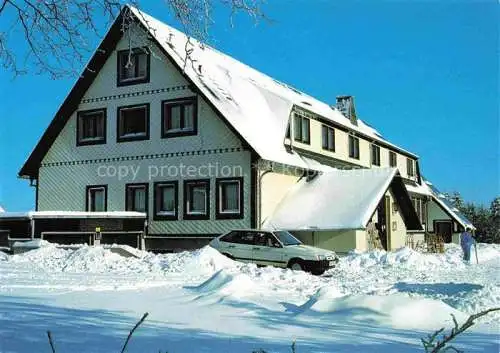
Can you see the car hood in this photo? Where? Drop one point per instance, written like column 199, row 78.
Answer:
column 308, row 252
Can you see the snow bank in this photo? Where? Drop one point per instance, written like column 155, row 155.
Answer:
column 402, row 257
column 225, row 284
column 398, row 310
column 3, row 256
column 89, row 259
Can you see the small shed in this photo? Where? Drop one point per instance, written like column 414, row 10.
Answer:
column 69, row 227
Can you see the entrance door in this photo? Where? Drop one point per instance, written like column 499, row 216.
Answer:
column 444, row 229
column 384, row 221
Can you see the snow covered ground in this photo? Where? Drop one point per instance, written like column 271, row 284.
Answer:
column 203, row 302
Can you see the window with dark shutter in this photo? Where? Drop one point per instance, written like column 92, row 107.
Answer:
column 91, row 127
column 196, row 199
column 96, row 198
column 136, row 197
column 133, row 66
column 133, row 123
column 328, row 138
column 353, row 147
column 229, row 198
column 179, row 117
column 376, row 155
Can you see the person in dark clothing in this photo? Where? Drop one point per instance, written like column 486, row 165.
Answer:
column 466, row 242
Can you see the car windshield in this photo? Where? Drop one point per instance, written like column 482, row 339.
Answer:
column 286, row 238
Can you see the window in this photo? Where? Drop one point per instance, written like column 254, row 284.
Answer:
column 410, row 167
column 393, row 160
column 229, row 198
column 286, row 238
column 328, row 138
column 419, row 205
column 301, row 126
column 196, row 199
column 375, row 155
column 136, row 197
column 165, row 202
column 353, row 147
column 133, row 66
column 133, row 123
column 179, row 117
column 91, row 127
column 96, row 198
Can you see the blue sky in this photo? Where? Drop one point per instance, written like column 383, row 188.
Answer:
column 424, row 73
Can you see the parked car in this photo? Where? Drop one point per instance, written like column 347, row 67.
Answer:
column 276, row 248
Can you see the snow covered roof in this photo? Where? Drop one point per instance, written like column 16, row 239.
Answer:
column 441, row 200
column 72, row 214
column 334, row 200
column 419, row 189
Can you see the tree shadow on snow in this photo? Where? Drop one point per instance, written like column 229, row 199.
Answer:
column 23, row 326
column 437, row 289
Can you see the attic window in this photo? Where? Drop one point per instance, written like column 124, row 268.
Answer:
column 91, row 127
column 133, row 66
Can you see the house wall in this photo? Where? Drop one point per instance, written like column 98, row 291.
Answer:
column 398, row 227
column 273, row 187
column 215, row 151
column 341, row 241
column 436, row 213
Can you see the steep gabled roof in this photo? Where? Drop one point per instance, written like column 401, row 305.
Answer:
column 447, row 206
column 340, row 199
column 256, row 106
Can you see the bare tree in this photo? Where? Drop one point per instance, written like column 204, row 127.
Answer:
column 55, row 37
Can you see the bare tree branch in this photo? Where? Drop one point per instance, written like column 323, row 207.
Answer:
column 55, row 37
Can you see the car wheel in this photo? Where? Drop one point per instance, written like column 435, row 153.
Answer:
column 228, row 256
column 318, row 273
column 296, row 265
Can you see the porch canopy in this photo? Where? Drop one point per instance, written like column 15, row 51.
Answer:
column 341, row 199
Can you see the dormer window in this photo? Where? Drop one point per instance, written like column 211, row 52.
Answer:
column 133, row 66
column 301, row 129
column 328, row 138
column 410, row 170
column 393, row 159
column 91, row 127
column 375, row 155
column 353, row 147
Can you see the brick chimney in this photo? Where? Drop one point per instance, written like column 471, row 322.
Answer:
column 345, row 104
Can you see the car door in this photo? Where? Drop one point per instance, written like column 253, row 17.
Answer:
column 238, row 245
column 267, row 250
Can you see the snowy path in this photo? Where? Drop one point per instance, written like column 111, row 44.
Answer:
column 203, row 302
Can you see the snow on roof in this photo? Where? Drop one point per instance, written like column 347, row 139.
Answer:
column 337, row 199
column 72, row 214
column 443, row 201
column 256, row 105
column 418, row 189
